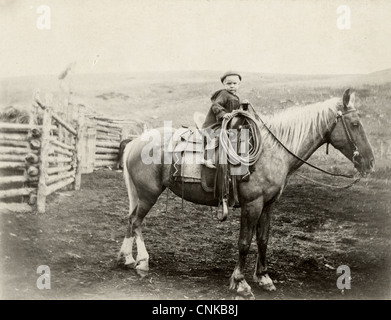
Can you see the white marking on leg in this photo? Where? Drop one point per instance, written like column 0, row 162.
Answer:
column 126, row 251
column 238, row 283
column 265, row 282
column 244, row 288
column 234, row 279
column 142, row 255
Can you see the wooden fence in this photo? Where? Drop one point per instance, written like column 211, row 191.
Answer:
column 19, row 157
column 39, row 160
column 60, row 156
column 102, row 139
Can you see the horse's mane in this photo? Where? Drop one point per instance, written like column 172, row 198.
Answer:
column 292, row 126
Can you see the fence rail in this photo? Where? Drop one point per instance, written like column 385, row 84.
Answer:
column 37, row 160
column 41, row 158
column 101, row 141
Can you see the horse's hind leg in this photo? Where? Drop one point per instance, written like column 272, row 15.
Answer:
column 141, row 200
column 142, row 259
column 125, row 256
column 134, row 233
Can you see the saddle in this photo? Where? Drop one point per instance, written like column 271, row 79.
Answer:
column 188, row 164
column 192, row 144
column 188, row 159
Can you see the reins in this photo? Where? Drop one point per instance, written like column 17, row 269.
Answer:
column 355, row 154
column 329, row 185
column 304, row 161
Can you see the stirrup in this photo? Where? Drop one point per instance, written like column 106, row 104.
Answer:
column 209, row 164
column 246, row 177
column 222, row 215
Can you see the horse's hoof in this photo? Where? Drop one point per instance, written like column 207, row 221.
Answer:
column 142, row 274
column 265, row 283
column 142, row 265
column 142, row 268
column 126, row 262
column 249, row 297
column 269, row 287
column 242, row 289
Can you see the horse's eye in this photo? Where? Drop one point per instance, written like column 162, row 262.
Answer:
column 355, row 124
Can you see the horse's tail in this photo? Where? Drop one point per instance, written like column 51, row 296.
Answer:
column 132, row 192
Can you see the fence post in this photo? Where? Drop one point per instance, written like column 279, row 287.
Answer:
column 79, row 146
column 44, row 163
column 91, row 147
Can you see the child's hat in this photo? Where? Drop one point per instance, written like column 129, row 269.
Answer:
column 230, row 73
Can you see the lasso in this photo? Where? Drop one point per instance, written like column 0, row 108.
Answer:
column 254, row 150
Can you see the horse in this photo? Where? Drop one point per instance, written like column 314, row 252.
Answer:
column 299, row 129
column 120, row 155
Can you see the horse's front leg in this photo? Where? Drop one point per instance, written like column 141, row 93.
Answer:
column 249, row 218
column 260, row 275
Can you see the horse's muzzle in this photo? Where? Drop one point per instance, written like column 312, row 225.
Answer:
column 364, row 166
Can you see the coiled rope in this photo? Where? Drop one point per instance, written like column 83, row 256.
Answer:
column 254, row 149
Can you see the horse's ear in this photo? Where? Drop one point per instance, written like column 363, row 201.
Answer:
column 346, row 98
column 352, row 100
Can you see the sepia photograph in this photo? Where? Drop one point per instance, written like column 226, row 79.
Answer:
column 184, row 151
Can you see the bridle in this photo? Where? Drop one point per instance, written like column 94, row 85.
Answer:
column 340, row 116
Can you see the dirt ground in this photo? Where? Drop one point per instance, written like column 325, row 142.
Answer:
column 192, row 255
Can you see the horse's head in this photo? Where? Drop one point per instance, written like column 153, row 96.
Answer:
column 348, row 135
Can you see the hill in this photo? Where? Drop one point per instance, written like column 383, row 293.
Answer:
column 156, row 97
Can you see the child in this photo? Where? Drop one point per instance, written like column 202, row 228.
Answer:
column 225, row 100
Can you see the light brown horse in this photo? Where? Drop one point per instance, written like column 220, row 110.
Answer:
column 302, row 130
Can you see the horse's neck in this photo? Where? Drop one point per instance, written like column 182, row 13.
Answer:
column 313, row 140
column 306, row 150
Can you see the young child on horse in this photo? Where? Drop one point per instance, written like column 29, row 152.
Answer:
column 224, row 101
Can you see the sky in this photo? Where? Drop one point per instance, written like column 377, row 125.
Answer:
column 279, row 36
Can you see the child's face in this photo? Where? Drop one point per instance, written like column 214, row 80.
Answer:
column 231, row 83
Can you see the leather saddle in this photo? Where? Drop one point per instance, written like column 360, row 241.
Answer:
column 188, row 158
column 193, row 146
